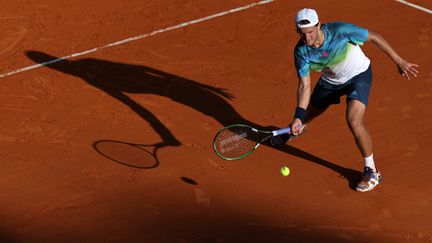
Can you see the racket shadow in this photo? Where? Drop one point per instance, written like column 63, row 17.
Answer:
column 134, row 155
column 351, row 175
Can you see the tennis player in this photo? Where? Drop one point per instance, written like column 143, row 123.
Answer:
column 334, row 50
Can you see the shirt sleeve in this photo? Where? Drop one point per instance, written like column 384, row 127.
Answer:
column 302, row 63
column 354, row 33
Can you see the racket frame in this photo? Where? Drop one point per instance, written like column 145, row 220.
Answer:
column 260, row 133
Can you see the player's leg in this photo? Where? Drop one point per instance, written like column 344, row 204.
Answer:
column 355, row 120
column 313, row 112
column 358, row 91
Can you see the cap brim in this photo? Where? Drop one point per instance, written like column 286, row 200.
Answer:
column 301, row 26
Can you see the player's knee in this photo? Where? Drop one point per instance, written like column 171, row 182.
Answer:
column 355, row 125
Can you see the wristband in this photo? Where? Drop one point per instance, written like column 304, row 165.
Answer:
column 300, row 113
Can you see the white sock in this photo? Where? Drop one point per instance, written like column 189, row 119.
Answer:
column 369, row 162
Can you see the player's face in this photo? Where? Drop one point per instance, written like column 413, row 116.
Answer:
column 309, row 35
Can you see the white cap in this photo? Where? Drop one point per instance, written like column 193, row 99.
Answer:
column 306, row 14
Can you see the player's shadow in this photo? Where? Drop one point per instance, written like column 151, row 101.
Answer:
column 119, row 79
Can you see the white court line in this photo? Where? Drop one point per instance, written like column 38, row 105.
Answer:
column 136, row 38
column 415, row 6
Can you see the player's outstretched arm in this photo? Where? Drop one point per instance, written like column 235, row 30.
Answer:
column 303, row 96
column 405, row 68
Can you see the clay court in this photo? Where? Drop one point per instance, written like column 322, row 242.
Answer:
column 109, row 109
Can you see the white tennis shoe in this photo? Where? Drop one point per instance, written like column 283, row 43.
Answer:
column 370, row 180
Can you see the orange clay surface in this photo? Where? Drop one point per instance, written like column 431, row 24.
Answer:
column 78, row 137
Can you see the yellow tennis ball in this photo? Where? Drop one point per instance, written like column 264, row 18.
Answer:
column 285, row 171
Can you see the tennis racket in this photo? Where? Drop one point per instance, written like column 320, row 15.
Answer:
column 237, row 141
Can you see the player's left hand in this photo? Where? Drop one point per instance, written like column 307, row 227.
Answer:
column 407, row 69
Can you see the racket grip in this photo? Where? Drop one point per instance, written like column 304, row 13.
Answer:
column 281, row 131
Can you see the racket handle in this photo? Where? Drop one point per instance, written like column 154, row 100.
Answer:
column 281, row 131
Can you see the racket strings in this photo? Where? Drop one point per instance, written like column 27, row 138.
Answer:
column 235, row 142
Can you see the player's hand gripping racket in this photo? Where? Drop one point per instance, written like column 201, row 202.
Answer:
column 238, row 141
